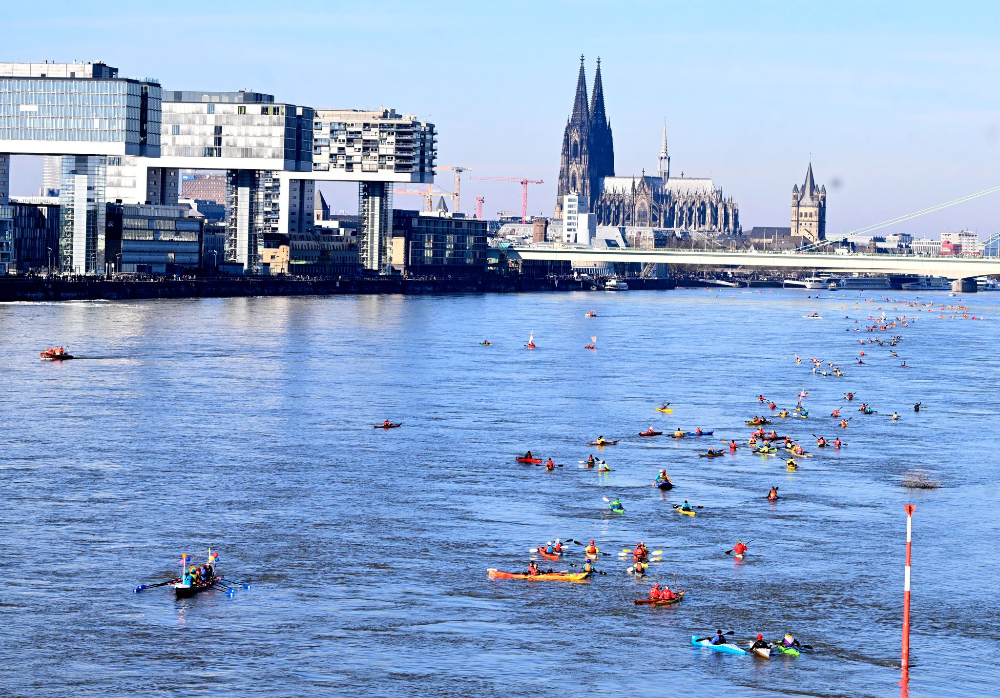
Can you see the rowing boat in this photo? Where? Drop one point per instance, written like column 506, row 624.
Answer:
column 661, row 602
column 547, row 577
column 183, row 590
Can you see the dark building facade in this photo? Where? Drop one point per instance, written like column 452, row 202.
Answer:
column 587, row 169
column 150, row 239
column 35, row 236
column 440, row 244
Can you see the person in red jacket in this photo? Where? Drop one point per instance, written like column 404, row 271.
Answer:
column 739, row 548
column 654, row 593
column 532, row 569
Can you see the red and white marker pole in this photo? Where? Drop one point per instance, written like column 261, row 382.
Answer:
column 906, row 587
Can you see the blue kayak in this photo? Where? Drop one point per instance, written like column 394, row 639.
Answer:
column 726, row 648
column 704, row 433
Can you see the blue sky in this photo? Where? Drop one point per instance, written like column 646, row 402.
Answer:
column 896, row 102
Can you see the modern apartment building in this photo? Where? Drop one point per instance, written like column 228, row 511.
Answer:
column 153, row 239
column 439, row 243
column 124, row 140
column 84, row 112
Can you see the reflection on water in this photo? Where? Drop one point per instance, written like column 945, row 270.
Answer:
column 246, row 424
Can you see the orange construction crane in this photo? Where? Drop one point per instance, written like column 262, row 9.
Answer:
column 429, row 193
column 458, row 170
column 524, row 192
column 479, row 207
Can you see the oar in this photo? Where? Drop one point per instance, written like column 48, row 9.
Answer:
column 699, row 639
column 730, row 551
column 141, row 587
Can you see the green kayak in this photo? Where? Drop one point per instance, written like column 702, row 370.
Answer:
column 785, row 650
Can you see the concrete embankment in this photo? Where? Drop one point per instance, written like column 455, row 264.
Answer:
column 41, row 289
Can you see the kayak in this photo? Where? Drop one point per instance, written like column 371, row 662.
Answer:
column 768, row 437
column 786, row 650
column 606, row 443
column 650, row 433
column 661, row 602
column 711, row 455
column 387, row 426
column 547, row 555
column 550, row 577
column 704, row 433
column 764, row 652
column 665, row 410
column 618, row 510
column 678, row 436
column 521, row 459
column 685, row 511
column 665, row 485
column 727, row 648
column 753, row 423
column 604, row 470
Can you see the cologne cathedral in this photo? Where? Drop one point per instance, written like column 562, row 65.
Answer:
column 587, row 168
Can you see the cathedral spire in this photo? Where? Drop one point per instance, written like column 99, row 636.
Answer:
column 597, row 114
column 809, row 188
column 664, row 168
column 581, row 112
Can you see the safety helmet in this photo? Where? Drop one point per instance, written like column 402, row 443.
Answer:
column 591, row 542
column 549, row 543
column 759, row 636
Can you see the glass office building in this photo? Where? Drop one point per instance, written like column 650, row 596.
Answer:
column 153, row 239
column 82, row 215
column 85, row 108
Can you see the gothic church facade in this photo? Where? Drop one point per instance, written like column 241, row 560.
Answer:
column 587, row 168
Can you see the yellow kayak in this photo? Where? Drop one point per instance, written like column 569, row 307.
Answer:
column 665, row 410
column 682, row 511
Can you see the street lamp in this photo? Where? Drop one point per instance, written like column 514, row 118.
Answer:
column 50, row 259
column 118, row 258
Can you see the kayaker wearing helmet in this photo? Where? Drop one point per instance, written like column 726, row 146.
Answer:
column 821, row 442
column 790, row 641
column 678, row 432
column 895, row 416
column 662, row 477
column 550, row 464
column 759, row 643
column 386, row 423
column 719, row 638
column 773, row 494
column 698, row 431
column 837, row 443
column 739, row 548
column 532, row 569
column 592, row 550
column 790, row 463
column 654, row 593
column 588, row 567
column 557, row 548
column 601, row 440
column 639, row 568
column 733, row 446
column 549, row 549
column 527, row 456
column 591, row 461
column 616, row 505
column 686, row 507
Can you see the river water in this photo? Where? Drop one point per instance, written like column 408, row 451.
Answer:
column 246, row 425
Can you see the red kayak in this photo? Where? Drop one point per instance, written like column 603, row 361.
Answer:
column 650, row 433
column 547, row 556
column 520, row 459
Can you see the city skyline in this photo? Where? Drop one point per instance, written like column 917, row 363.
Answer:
column 892, row 116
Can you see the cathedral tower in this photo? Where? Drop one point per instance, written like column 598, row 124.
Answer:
column 664, row 167
column 809, row 209
column 588, row 151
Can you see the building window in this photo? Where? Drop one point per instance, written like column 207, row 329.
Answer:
column 175, row 130
column 211, row 108
column 241, row 110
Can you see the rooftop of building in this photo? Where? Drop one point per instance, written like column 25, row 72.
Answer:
column 74, row 71
column 241, row 97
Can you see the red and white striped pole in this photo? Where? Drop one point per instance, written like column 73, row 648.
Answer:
column 906, row 588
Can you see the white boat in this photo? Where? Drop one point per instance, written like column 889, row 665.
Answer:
column 928, row 283
column 615, row 284
column 859, row 283
column 813, row 283
column 985, row 283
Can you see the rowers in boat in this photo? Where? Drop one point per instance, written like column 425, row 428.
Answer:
column 56, row 354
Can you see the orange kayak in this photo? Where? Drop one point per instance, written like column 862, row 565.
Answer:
column 547, row 555
column 552, row 577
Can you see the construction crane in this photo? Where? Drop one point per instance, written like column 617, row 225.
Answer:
column 524, row 192
column 429, row 193
column 479, row 207
column 458, row 170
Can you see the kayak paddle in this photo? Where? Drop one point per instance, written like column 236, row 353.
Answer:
column 731, row 632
